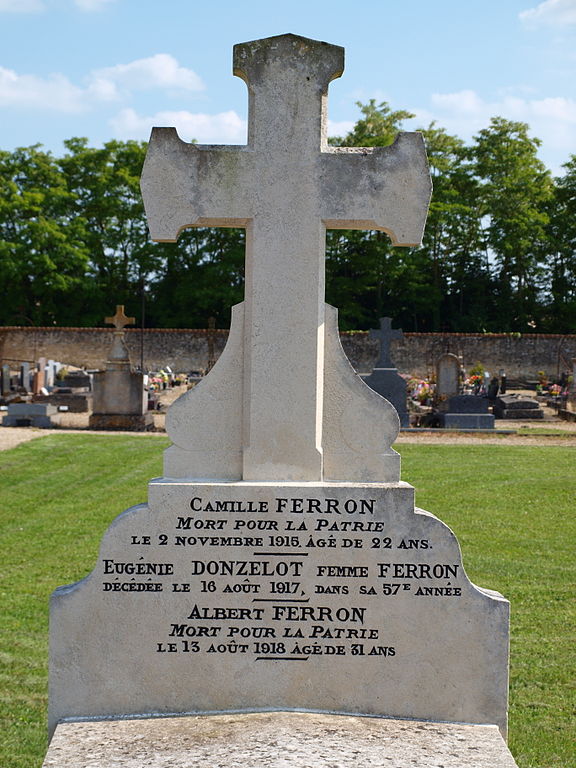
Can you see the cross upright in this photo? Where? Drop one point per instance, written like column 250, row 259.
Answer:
column 286, row 187
column 118, row 356
column 385, row 336
column 119, row 320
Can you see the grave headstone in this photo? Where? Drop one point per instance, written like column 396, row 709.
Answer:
column 25, row 376
column 6, row 382
column 50, row 378
column 447, row 376
column 39, row 376
column 385, row 378
column 120, row 400
column 280, row 563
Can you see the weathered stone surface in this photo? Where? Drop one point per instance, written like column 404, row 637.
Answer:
column 447, row 375
column 276, row 740
column 119, row 391
column 332, row 597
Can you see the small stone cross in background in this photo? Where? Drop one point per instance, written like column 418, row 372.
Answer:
column 119, row 320
column 385, row 336
column 118, row 356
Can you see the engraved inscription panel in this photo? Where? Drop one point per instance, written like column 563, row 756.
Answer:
column 224, row 596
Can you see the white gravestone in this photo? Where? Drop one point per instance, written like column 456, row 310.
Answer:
column 280, row 564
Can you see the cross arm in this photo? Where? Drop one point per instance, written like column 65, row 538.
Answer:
column 383, row 188
column 190, row 185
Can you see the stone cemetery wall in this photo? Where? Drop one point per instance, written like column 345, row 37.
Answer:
column 520, row 356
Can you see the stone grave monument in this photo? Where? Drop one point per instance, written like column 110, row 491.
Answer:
column 448, row 368
column 119, row 400
column 465, row 412
column 5, row 379
column 24, row 377
column 517, row 406
column 385, row 378
column 40, row 415
column 279, row 573
column 458, row 411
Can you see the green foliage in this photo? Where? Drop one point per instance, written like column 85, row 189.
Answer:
column 477, row 370
column 516, row 534
column 377, row 128
column 499, row 249
column 42, row 251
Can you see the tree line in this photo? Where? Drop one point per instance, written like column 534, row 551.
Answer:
column 499, row 251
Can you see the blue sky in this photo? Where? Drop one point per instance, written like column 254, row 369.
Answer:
column 113, row 68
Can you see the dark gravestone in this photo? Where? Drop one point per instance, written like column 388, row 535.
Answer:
column 25, row 376
column 77, row 380
column 5, row 380
column 385, row 378
column 517, row 407
column 465, row 412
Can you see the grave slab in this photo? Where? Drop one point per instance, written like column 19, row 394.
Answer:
column 276, row 740
column 465, row 412
column 335, row 596
column 31, row 415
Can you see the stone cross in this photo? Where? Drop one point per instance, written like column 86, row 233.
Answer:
column 286, row 187
column 118, row 356
column 385, row 336
column 119, row 320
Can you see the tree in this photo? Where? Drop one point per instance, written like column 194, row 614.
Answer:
column 105, row 189
column 514, row 189
column 561, row 316
column 43, row 256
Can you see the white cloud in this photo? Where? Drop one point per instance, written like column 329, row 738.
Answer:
column 551, row 119
column 552, row 12
column 54, row 92
column 159, row 71
column 225, row 127
column 21, row 6
column 340, row 128
column 35, row 6
column 91, row 5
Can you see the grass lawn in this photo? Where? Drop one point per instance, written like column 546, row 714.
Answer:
column 512, row 509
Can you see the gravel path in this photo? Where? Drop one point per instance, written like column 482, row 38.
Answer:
column 78, row 423
column 75, row 422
